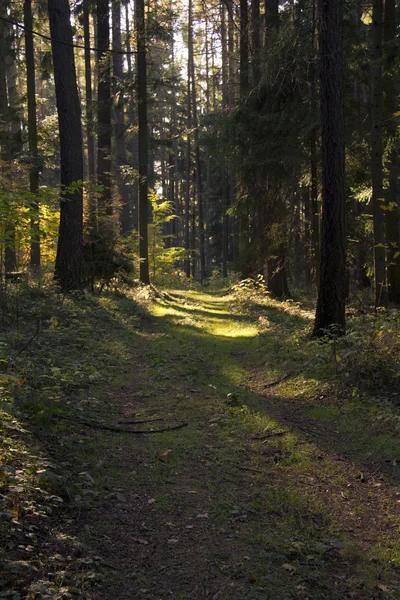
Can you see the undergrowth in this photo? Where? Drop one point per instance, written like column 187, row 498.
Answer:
column 364, row 363
column 57, row 354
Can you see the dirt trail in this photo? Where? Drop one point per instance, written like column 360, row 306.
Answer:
column 249, row 501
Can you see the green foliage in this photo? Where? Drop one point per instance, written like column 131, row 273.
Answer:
column 18, row 207
column 162, row 259
column 252, row 284
column 103, row 262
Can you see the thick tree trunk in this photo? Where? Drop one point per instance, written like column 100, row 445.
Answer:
column 32, row 135
column 377, row 155
column 315, row 208
column 68, row 268
column 143, row 142
column 330, row 314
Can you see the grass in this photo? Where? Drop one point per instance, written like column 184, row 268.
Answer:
column 278, row 491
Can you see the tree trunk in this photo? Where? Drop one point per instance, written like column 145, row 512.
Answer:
column 104, row 114
column 315, row 208
column 91, row 161
column 256, row 41
column 188, row 145
column 225, row 197
column 271, row 17
column 119, row 125
column 244, row 49
column 15, row 148
column 68, row 268
column 132, row 117
column 392, row 220
column 199, row 183
column 174, row 131
column 330, row 314
column 143, row 142
column 32, row 135
column 377, row 155
column 276, row 276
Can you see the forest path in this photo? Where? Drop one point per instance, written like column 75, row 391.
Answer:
column 253, row 499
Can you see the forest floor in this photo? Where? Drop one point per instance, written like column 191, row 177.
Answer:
column 279, row 484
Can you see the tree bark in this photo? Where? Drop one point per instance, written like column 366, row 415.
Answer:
column 392, row 217
column 315, row 208
column 104, row 113
column 377, row 155
column 69, row 259
column 224, row 183
column 199, row 183
column 91, row 160
column 32, row 135
column 15, row 148
column 188, row 144
column 256, row 41
column 132, row 117
column 143, row 143
column 271, row 17
column 119, row 125
column 330, row 314
column 244, row 49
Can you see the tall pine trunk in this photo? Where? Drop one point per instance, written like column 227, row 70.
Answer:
column 32, row 135
column 91, row 159
column 330, row 314
column 315, row 209
column 143, row 142
column 188, row 144
column 377, row 155
column 224, row 183
column 119, row 119
column 199, row 183
column 392, row 217
column 132, row 118
column 69, row 259
column 104, row 114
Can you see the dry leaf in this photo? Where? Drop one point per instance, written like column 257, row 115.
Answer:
column 290, row 568
column 164, row 456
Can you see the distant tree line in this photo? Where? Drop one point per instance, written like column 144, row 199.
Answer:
column 270, row 130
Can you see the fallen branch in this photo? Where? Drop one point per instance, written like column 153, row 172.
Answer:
column 138, row 422
column 103, row 427
column 273, row 383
